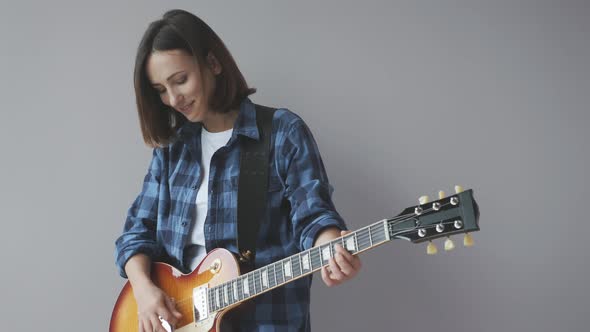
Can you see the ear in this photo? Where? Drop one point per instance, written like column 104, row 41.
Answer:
column 213, row 64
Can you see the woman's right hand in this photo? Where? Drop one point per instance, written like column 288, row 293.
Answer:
column 153, row 303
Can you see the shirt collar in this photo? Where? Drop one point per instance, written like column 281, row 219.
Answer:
column 246, row 121
column 244, row 125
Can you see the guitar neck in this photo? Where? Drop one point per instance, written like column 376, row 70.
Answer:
column 281, row 272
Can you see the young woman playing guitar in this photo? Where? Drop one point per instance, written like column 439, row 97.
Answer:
column 194, row 111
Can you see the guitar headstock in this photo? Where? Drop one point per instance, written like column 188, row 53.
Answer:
column 455, row 214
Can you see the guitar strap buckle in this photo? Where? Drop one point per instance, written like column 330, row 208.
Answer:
column 245, row 256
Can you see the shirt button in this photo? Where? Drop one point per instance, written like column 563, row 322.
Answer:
column 194, row 187
column 184, row 223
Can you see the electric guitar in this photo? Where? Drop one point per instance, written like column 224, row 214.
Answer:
column 216, row 286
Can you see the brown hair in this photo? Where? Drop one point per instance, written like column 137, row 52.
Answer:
column 181, row 30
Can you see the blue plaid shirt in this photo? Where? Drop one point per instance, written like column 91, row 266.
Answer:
column 299, row 206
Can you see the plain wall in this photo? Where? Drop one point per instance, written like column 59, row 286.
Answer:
column 404, row 98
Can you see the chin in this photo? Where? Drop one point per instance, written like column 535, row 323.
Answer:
column 193, row 117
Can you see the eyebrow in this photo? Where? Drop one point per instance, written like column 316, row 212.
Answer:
column 168, row 79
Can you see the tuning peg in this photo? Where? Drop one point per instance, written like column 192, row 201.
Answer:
column 423, row 199
column 468, row 240
column 431, row 249
column 458, row 189
column 441, row 194
column 449, row 245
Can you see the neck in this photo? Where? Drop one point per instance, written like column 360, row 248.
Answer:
column 217, row 122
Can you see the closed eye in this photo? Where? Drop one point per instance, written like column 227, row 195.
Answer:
column 179, row 82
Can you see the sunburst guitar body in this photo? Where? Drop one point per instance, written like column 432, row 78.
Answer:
column 216, row 268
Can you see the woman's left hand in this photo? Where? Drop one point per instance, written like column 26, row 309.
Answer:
column 343, row 266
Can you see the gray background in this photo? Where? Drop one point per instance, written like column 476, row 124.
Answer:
column 404, row 98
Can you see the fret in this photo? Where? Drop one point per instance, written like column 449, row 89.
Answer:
column 230, row 288
column 325, row 253
column 257, row 286
column 239, row 283
column 287, row 269
column 235, row 287
column 217, row 289
column 273, row 280
column 296, row 260
column 264, row 278
column 225, row 297
column 279, row 271
column 356, row 244
column 246, row 286
column 370, row 237
column 230, row 293
column 378, row 234
column 315, row 258
column 363, row 236
column 305, row 260
column 210, row 298
column 252, row 283
column 349, row 244
column 274, row 275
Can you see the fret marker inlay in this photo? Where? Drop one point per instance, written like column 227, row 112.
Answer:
column 350, row 246
column 305, row 259
column 265, row 278
column 246, row 287
column 326, row 253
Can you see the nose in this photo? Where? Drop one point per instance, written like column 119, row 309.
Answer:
column 176, row 99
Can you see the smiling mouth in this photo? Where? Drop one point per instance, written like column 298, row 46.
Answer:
column 187, row 107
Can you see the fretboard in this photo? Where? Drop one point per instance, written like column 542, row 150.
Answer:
column 294, row 267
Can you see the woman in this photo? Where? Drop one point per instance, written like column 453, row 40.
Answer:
column 194, row 109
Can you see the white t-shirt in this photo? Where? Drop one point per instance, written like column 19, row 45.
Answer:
column 210, row 142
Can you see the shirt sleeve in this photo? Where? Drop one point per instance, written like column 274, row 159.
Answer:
column 139, row 231
column 307, row 187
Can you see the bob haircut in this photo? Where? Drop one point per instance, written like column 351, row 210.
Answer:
column 181, row 30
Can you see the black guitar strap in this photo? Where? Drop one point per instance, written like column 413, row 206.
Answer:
column 253, row 185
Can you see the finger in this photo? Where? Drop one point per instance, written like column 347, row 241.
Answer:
column 156, row 325
column 346, row 255
column 174, row 308
column 344, row 265
column 326, row 277
column 147, row 325
column 171, row 305
column 141, row 328
column 355, row 261
column 336, row 273
column 344, row 233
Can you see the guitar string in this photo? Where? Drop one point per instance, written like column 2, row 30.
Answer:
column 220, row 298
column 364, row 238
column 362, row 235
column 253, row 276
column 362, row 241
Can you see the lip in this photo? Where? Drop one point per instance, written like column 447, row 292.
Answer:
column 186, row 108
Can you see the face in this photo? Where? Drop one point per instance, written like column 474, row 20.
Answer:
column 182, row 83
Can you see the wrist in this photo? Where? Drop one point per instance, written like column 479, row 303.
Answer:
column 327, row 234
